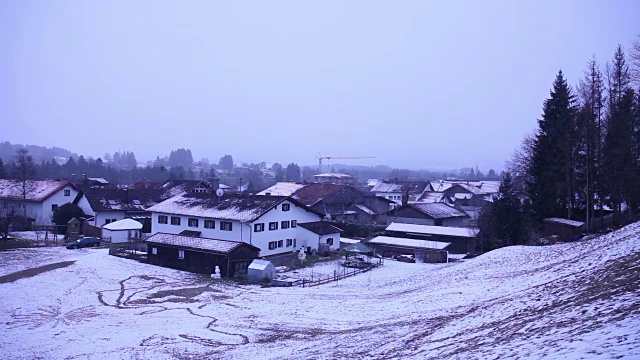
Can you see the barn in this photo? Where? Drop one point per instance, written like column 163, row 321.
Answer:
column 423, row 250
column 200, row 255
column 565, row 229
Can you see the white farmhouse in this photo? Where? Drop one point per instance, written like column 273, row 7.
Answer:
column 37, row 199
column 267, row 222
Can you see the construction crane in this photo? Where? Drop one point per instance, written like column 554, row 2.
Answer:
column 320, row 157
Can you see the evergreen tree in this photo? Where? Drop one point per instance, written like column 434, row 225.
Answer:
column 293, row 172
column 226, row 162
column 551, row 171
column 503, row 222
column 3, row 172
column 619, row 162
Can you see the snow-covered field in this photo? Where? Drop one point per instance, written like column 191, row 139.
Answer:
column 578, row 300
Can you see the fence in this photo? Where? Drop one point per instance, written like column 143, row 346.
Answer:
column 347, row 272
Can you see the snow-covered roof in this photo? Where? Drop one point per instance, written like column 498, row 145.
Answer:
column 349, row 241
column 282, row 189
column 413, row 243
column 433, row 230
column 430, row 197
column 334, row 176
column 124, row 224
column 258, row 264
column 365, row 209
column 233, row 207
column 462, row 196
column 372, row 182
column 438, row 210
column 487, row 186
column 572, row 223
column 215, row 245
column 98, row 180
column 35, row 190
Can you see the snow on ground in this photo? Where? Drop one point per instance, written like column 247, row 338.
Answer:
column 577, row 300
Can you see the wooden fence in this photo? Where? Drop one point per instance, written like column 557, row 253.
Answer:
column 347, row 272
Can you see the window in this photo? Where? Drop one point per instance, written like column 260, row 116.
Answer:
column 192, row 222
column 286, row 207
column 330, row 241
column 289, row 242
column 154, row 251
column 163, row 219
column 294, row 242
column 106, row 221
column 273, row 225
column 294, row 223
column 54, row 207
column 280, row 242
column 112, row 202
column 67, row 193
column 226, row 225
column 273, row 245
column 284, row 224
column 180, row 254
column 175, row 220
column 258, row 227
column 209, row 224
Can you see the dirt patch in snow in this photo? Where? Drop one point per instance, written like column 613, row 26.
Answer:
column 33, row 271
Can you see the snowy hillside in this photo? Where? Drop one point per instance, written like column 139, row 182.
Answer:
column 577, row 300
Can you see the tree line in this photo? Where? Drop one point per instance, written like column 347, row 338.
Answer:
column 583, row 159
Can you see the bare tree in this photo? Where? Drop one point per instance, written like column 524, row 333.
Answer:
column 24, row 170
column 8, row 214
column 634, row 56
column 520, row 162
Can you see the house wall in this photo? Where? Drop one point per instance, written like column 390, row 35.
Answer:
column 393, row 196
column 200, row 262
column 245, row 231
column 100, row 218
column 120, row 236
column 85, row 206
column 46, row 213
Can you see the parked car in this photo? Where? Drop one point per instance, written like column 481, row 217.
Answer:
column 84, row 242
column 406, row 258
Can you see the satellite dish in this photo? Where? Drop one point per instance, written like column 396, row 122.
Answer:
column 219, row 192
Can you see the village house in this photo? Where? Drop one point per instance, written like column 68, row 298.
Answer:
column 338, row 202
column 267, row 222
column 438, row 214
column 107, row 205
column 328, row 235
column 397, row 190
column 36, row 200
column 335, row 178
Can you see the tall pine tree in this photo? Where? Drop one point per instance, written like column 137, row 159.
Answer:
column 551, row 181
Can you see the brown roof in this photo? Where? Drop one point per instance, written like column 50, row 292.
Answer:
column 312, row 193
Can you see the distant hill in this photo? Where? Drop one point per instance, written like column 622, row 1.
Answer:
column 39, row 153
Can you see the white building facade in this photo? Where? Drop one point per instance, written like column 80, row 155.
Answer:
column 267, row 222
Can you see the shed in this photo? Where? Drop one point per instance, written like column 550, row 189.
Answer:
column 73, row 229
column 200, row 255
column 259, row 270
column 423, row 250
column 122, row 230
column 565, row 229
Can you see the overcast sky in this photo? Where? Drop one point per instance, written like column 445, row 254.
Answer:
column 417, row 84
